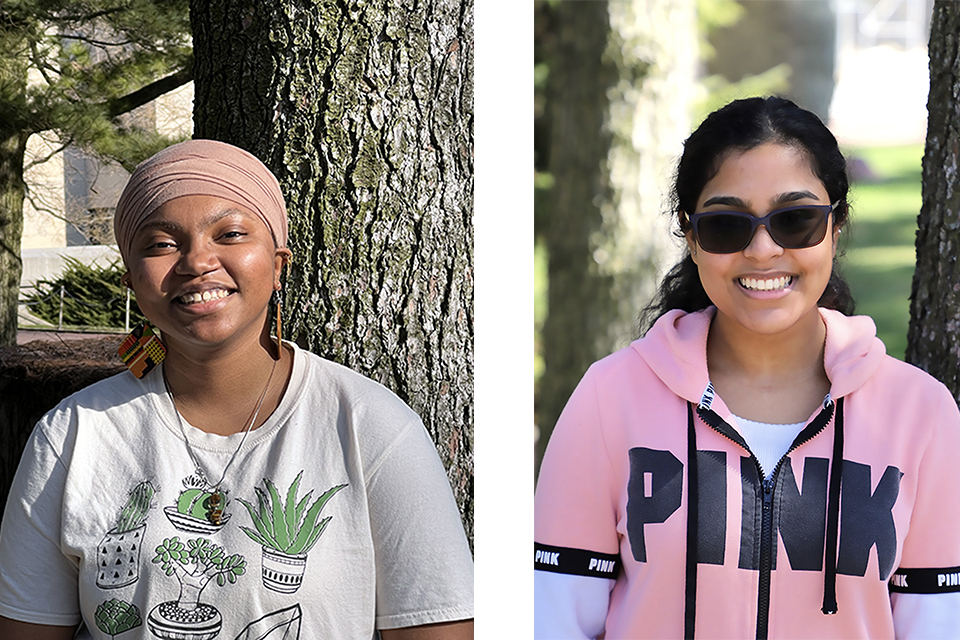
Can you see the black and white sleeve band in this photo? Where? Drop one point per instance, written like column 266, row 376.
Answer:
column 576, row 562
column 945, row 580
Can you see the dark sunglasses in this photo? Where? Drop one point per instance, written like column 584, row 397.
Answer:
column 791, row 228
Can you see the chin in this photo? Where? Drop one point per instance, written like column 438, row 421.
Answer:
column 773, row 321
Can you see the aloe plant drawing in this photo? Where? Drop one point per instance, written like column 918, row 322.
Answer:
column 118, row 556
column 286, row 529
column 194, row 563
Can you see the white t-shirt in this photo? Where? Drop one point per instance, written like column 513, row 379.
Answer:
column 392, row 552
column 768, row 442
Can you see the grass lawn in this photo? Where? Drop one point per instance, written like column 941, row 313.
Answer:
column 880, row 254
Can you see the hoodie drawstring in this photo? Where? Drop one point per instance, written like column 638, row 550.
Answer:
column 693, row 502
column 833, row 516
column 833, row 523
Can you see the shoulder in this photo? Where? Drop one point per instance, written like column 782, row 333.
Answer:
column 100, row 401
column 909, row 383
column 348, row 386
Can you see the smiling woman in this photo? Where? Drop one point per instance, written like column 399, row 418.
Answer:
column 755, row 465
column 312, row 496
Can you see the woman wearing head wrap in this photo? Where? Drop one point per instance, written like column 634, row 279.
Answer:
column 242, row 488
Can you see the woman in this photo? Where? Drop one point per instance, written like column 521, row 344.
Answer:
column 755, row 465
column 242, row 488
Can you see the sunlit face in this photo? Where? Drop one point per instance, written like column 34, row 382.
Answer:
column 203, row 270
column 765, row 288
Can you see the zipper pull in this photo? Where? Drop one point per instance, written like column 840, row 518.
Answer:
column 767, row 493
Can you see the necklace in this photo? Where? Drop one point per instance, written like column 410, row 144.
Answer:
column 215, row 503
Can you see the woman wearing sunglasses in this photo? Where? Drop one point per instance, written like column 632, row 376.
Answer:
column 755, row 465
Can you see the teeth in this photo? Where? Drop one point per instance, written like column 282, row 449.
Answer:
column 766, row 285
column 206, row 296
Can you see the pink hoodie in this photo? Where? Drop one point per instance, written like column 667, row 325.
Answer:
column 614, row 551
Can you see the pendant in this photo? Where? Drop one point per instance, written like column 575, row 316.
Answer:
column 214, row 506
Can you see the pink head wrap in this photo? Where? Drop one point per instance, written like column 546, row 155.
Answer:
column 199, row 167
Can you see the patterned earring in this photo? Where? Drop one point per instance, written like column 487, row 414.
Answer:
column 142, row 350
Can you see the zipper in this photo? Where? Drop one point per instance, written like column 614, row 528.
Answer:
column 768, row 487
column 767, row 542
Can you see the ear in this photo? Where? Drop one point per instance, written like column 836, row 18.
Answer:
column 836, row 238
column 691, row 245
column 280, row 259
column 125, row 279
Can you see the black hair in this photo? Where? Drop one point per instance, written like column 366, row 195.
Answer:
column 740, row 126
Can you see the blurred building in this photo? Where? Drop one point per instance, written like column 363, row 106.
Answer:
column 882, row 71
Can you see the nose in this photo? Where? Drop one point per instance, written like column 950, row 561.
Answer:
column 197, row 258
column 762, row 247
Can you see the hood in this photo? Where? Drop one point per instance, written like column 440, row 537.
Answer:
column 675, row 349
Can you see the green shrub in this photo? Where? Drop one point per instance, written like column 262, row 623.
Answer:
column 93, row 296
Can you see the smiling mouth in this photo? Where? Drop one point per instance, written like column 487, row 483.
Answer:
column 772, row 284
column 203, row 296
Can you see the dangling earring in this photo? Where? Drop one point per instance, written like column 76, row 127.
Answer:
column 142, row 350
column 276, row 300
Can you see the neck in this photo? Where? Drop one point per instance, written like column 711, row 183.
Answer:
column 733, row 350
column 218, row 391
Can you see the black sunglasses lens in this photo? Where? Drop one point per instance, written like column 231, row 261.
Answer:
column 798, row 228
column 723, row 232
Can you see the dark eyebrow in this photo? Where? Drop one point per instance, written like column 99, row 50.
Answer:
column 730, row 201
column 207, row 221
column 792, row 196
column 740, row 203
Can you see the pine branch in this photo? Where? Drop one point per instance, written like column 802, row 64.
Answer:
column 152, row 91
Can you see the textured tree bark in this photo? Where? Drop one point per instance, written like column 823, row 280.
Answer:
column 933, row 339
column 13, row 144
column 364, row 111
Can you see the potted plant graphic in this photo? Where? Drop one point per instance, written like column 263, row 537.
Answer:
column 287, row 530
column 118, row 556
column 199, row 508
column 194, row 564
column 114, row 617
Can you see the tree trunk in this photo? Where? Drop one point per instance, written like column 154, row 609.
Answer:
column 13, row 145
column 579, row 302
column 617, row 99
column 191, row 584
column 365, row 114
column 933, row 339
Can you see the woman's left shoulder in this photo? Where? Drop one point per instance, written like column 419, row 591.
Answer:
column 900, row 370
column 349, row 386
column 903, row 382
